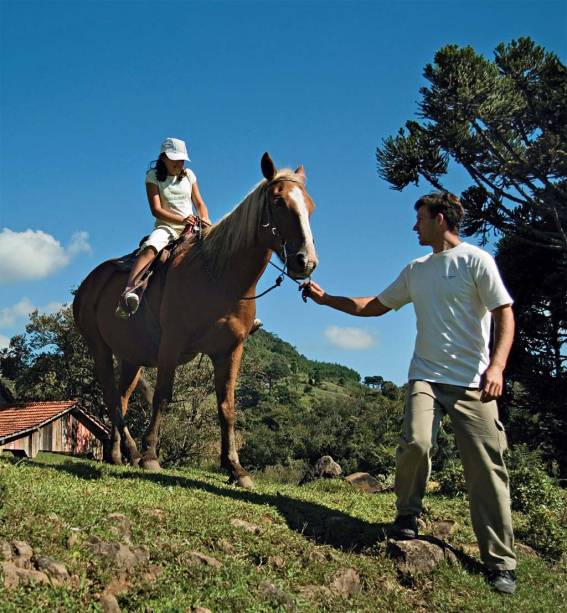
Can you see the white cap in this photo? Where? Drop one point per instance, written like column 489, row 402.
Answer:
column 175, row 149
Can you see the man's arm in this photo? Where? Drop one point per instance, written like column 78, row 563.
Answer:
column 493, row 377
column 369, row 306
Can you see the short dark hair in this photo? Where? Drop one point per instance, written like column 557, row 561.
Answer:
column 445, row 203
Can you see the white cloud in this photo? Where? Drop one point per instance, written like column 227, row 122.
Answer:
column 4, row 341
column 34, row 254
column 9, row 316
column 354, row 339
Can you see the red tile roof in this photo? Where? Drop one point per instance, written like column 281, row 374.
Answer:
column 30, row 415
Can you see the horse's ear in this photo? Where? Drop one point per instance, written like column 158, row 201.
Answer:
column 268, row 168
column 300, row 171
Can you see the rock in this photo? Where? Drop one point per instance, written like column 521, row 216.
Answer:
column 444, row 528
column 15, row 576
column 526, row 550
column 154, row 572
column 271, row 592
column 346, row 582
column 10, row 574
column 226, row 546
column 324, row 468
column 276, row 562
column 124, row 557
column 22, row 554
column 201, row 558
column 416, row 556
column 366, row 483
column 119, row 585
column 120, row 527
column 5, row 551
column 56, row 570
column 109, row 604
column 240, row 523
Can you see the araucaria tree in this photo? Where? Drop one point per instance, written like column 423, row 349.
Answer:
column 505, row 122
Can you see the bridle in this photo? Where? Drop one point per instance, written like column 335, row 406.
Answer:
column 273, row 227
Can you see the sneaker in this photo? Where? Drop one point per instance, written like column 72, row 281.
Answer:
column 502, row 581
column 404, row 528
column 128, row 305
column 256, row 326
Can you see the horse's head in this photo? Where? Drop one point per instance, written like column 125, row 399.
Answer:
column 288, row 208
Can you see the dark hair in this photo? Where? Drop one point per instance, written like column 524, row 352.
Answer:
column 161, row 169
column 445, row 203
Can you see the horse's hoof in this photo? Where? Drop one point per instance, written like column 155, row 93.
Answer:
column 245, row 482
column 151, row 465
column 135, row 461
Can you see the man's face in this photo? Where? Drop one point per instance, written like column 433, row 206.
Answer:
column 427, row 227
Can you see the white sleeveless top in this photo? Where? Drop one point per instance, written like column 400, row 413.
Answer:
column 175, row 196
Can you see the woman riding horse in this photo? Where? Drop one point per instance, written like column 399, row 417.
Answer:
column 205, row 306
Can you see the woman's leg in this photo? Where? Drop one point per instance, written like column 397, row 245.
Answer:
column 130, row 301
column 144, row 259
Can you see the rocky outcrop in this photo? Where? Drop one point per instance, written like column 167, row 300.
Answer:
column 324, row 468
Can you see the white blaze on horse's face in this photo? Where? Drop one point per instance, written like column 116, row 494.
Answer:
column 305, row 255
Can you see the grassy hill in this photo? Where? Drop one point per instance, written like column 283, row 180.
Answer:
column 292, row 554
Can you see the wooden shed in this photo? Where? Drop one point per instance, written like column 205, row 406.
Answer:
column 29, row 427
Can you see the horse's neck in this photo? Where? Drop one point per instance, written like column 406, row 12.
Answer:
column 247, row 266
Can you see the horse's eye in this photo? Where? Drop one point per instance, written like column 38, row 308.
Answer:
column 279, row 201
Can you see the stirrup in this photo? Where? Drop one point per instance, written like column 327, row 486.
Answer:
column 128, row 305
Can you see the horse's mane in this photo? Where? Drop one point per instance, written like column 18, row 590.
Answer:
column 237, row 230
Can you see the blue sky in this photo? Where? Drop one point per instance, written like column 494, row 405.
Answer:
column 90, row 89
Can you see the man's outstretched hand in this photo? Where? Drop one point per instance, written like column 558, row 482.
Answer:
column 310, row 289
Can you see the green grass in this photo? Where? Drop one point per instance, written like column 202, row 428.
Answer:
column 316, row 529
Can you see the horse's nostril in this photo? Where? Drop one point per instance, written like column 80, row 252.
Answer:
column 301, row 260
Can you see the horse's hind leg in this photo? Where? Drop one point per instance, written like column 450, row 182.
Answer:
column 226, row 371
column 129, row 378
column 104, row 369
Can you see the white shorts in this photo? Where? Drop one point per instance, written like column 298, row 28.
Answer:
column 159, row 238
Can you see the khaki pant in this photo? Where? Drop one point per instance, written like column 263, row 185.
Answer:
column 481, row 441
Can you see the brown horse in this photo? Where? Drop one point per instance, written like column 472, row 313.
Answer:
column 199, row 308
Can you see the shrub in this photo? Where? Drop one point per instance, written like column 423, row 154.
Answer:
column 530, row 486
column 544, row 533
column 451, row 478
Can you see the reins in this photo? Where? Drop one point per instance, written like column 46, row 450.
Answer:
column 275, row 231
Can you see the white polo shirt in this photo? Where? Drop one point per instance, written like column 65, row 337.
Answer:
column 452, row 293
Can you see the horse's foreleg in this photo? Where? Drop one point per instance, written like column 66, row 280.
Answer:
column 226, row 371
column 129, row 377
column 161, row 399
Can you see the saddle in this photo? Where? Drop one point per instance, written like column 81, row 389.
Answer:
column 158, row 265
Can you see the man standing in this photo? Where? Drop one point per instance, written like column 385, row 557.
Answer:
column 456, row 290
